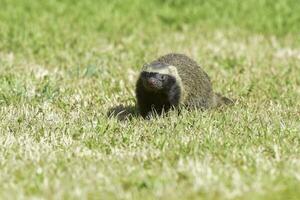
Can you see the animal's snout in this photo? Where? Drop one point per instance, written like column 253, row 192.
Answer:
column 152, row 81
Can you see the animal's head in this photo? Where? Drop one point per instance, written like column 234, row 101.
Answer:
column 159, row 77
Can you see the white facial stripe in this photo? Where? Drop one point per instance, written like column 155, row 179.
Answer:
column 169, row 70
column 160, row 71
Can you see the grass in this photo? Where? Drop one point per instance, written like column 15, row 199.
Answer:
column 65, row 65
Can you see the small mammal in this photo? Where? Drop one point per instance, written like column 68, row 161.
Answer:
column 173, row 80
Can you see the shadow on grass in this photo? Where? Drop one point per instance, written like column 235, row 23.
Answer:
column 123, row 113
column 128, row 112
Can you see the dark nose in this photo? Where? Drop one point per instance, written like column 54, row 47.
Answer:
column 151, row 81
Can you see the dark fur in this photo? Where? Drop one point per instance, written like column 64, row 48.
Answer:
column 196, row 83
column 158, row 101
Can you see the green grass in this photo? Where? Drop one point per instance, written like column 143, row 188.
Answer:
column 64, row 65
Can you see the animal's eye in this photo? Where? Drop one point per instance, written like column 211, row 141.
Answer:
column 161, row 77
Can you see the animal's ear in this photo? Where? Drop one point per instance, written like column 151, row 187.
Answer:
column 172, row 70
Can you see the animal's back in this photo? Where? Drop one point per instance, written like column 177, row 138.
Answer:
column 196, row 83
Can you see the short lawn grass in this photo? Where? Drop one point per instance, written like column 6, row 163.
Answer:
column 65, row 65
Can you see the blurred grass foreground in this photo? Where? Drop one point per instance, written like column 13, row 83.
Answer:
column 64, row 65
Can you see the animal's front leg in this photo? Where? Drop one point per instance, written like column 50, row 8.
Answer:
column 151, row 111
column 145, row 110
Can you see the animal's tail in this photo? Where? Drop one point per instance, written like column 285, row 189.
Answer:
column 220, row 100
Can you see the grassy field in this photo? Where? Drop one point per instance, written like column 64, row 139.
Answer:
column 65, row 65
